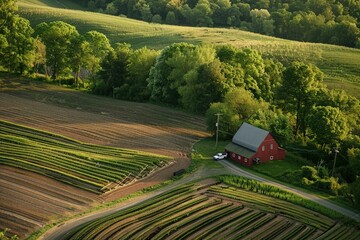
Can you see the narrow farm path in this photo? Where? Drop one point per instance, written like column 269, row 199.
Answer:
column 228, row 168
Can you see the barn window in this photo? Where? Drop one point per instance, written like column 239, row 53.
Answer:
column 233, row 155
column 271, row 146
column 239, row 157
column 271, row 157
column 263, row 148
column 245, row 160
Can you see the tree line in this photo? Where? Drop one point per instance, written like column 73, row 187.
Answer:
column 287, row 98
column 325, row 21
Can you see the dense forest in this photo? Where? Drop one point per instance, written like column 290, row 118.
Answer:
column 287, row 98
column 325, row 21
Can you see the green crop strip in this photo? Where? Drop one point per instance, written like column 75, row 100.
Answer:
column 213, row 211
column 85, row 166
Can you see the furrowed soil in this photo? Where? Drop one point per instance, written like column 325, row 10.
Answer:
column 28, row 200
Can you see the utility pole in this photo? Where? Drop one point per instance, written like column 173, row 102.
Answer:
column 333, row 170
column 217, row 128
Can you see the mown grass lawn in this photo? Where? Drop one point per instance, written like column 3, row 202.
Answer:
column 204, row 150
column 277, row 167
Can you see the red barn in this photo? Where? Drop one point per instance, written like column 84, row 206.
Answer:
column 253, row 145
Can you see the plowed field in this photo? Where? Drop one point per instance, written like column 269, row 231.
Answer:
column 28, row 200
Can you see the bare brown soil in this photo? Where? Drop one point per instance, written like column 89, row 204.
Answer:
column 26, row 201
column 29, row 200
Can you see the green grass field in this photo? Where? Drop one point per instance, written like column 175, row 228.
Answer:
column 90, row 167
column 341, row 65
column 215, row 210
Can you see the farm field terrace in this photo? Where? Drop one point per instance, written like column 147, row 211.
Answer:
column 210, row 209
column 78, row 174
column 93, row 168
column 340, row 64
column 41, row 122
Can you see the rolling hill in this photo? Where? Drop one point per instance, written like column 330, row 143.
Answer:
column 341, row 65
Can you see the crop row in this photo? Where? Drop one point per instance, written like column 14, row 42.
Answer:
column 86, row 166
column 276, row 206
column 272, row 191
column 211, row 212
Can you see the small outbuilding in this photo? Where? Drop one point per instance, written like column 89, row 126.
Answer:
column 252, row 145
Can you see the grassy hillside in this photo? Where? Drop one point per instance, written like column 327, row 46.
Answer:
column 341, row 65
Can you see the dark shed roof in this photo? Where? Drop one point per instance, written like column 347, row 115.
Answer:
column 231, row 147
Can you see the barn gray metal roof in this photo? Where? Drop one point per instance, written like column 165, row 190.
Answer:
column 249, row 136
column 239, row 150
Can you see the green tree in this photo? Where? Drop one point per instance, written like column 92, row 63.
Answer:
column 281, row 21
column 81, row 56
column 113, row 73
column 8, row 9
column 345, row 33
column 3, row 45
column 111, row 9
column 57, row 37
column 175, row 64
column 140, row 63
column 20, row 50
column 276, row 122
column 40, row 55
column 99, row 46
column 243, row 103
column 220, row 10
column 328, row 124
column 238, row 106
column 349, row 105
column 229, row 122
column 200, row 15
column 300, row 84
column 262, row 22
column 205, row 86
column 254, row 68
column 272, row 79
column 354, row 160
column 156, row 18
column 171, row 18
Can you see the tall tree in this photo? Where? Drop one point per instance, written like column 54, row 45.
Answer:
column 19, row 54
column 57, row 37
column 99, row 47
column 40, row 55
column 254, row 68
column 113, row 73
column 174, row 65
column 262, row 22
column 203, row 87
column 300, row 84
column 328, row 124
column 140, row 63
column 81, row 56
